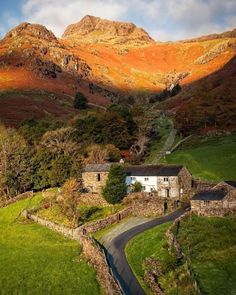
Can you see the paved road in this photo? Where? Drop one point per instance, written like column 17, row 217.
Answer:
column 115, row 252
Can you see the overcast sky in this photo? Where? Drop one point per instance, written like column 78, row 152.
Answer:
column 163, row 19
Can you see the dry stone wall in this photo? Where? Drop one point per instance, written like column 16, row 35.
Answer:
column 98, row 259
column 23, row 196
column 179, row 254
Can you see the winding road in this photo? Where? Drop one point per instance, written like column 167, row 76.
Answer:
column 115, row 252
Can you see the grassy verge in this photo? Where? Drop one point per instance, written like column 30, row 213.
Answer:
column 148, row 244
column 36, row 260
column 212, row 158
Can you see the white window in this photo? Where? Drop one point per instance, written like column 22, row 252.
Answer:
column 166, row 179
column 133, row 178
column 206, row 202
column 143, row 188
column 146, row 179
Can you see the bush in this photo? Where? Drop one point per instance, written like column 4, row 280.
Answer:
column 137, row 187
column 80, row 102
column 115, row 189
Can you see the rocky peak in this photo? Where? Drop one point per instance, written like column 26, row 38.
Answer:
column 32, row 30
column 95, row 30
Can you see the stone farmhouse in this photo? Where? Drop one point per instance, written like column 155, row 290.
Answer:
column 218, row 201
column 169, row 181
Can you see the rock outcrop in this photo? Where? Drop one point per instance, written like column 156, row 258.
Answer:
column 96, row 30
column 31, row 30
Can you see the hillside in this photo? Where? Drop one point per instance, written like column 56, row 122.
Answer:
column 209, row 158
column 121, row 62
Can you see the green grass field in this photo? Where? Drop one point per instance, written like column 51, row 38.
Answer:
column 213, row 252
column 209, row 242
column 210, row 158
column 36, row 260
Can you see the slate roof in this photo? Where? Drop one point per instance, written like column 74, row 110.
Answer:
column 210, row 195
column 231, row 183
column 98, row 167
column 142, row 170
column 153, row 170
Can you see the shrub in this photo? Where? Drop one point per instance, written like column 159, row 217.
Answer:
column 137, row 187
column 80, row 102
column 115, row 189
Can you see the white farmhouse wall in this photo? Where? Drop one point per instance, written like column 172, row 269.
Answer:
column 149, row 183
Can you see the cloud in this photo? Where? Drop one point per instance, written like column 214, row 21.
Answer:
column 164, row 20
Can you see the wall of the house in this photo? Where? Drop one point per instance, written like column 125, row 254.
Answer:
column 149, row 183
column 185, row 181
column 90, row 181
column 200, row 207
column 229, row 201
column 172, row 184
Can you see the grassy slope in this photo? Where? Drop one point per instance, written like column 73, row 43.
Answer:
column 211, row 158
column 213, row 254
column 35, row 260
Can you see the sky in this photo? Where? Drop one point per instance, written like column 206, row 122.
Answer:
column 164, row 20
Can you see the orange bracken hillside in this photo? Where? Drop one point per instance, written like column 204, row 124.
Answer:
column 105, row 62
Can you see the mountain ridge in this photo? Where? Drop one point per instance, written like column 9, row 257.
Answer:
column 97, row 30
column 32, row 58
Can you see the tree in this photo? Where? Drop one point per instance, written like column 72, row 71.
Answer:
column 60, row 170
column 113, row 153
column 61, row 141
column 137, row 187
column 80, row 102
column 97, row 154
column 115, row 189
column 15, row 163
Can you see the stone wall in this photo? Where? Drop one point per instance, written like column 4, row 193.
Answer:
column 23, row 196
column 76, row 233
column 65, row 231
column 153, row 270
column 105, row 222
column 218, row 212
column 173, row 244
column 98, row 260
column 148, row 204
column 90, row 181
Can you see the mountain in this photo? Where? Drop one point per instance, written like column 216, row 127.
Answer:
column 39, row 71
column 96, row 30
column 228, row 34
